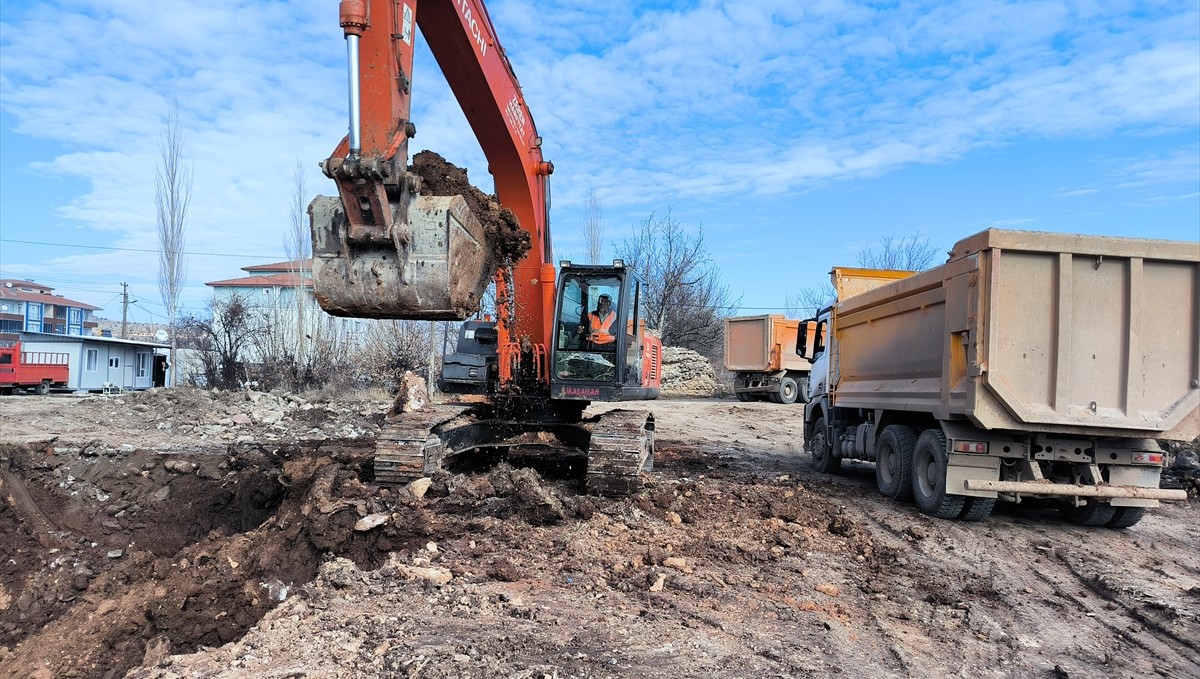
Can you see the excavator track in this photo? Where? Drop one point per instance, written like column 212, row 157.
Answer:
column 622, row 446
column 407, row 447
column 412, row 445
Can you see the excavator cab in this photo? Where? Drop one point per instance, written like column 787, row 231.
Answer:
column 601, row 350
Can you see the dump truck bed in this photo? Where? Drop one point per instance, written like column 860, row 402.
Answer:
column 762, row 343
column 1034, row 331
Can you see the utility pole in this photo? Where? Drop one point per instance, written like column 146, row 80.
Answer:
column 124, row 310
column 431, row 384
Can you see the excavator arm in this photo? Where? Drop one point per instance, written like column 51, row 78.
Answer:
column 382, row 250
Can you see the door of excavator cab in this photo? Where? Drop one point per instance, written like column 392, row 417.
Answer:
column 600, row 342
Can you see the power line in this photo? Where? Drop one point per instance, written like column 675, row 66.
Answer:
column 106, row 247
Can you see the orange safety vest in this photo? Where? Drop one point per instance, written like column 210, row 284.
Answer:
column 600, row 328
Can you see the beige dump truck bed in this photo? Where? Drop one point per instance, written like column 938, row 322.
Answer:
column 761, row 352
column 1081, row 335
column 761, row 343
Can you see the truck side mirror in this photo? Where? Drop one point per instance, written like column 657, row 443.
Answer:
column 819, row 338
column 802, row 340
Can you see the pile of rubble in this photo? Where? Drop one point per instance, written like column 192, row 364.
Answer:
column 686, row 373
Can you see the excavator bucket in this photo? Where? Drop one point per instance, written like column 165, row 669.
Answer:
column 434, row 267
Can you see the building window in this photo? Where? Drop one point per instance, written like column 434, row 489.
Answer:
column 114, row 362
column 143, row 366
column 93, row 357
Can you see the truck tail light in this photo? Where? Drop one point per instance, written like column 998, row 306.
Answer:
column 975, row 447
column 1148, row 458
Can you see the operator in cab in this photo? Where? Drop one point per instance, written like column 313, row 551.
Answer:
column 601, row 321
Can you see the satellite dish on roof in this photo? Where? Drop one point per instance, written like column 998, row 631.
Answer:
column 161, row 335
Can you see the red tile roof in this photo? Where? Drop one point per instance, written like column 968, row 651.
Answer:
column 281, row 267
column 29, row 291
column 283, row 280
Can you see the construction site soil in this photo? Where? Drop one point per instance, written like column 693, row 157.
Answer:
column 182, row 533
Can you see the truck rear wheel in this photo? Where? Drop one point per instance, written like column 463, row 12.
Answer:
column 1092, row 513
column 805, row 389
column 745, row 396
column 789, row 391
column 823, row 458
column 977, row 508
column 893, row 462
column 42, row 388
column 1126, row 517
column 929, row 477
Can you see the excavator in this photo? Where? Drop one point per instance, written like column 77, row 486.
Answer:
column 561, row 339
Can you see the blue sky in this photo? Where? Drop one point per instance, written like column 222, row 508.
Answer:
column 793, row 133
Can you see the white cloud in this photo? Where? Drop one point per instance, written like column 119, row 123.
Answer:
column 709, row 102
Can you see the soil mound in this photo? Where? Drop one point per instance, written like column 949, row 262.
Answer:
column 442, row 178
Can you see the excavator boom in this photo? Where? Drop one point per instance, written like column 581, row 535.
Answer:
column 381, row 249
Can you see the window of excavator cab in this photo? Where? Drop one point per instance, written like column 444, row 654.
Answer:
column 634, row 330
column 588, row 328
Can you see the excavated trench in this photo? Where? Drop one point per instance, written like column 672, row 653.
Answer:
column 114, row 558
column 114, row 552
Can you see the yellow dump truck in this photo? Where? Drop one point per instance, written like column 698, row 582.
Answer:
column 1030, row 365
column 759, row 351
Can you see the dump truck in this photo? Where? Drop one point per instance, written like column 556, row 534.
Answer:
column 759, row 353
column 37, row 371
column 1029, row 366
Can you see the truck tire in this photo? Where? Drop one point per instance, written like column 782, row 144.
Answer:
column 745, row 396
column 1091, row 514
column 977, row 508
column 929, row 477
column 805, row 389
column 42, row 388
column 1126, row 517
column 893, row 462
column 819, row 447
column 788, row 392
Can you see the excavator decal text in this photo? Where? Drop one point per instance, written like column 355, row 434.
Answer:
column 464, row 8
column 516, row 117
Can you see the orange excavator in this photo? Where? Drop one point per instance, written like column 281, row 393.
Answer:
column 381, row 249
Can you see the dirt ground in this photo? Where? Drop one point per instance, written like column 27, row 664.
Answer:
column 181, row 534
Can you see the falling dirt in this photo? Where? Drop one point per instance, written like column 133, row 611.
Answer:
column 173, row 534
column 441, row 178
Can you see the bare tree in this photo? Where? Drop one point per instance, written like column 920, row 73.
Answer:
column 298, row 248
column 393, row 347
column 593, row 228
column 683, row 295
column 172, row 195
column 223, row 339
column 808, row 302
column 909, row 253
